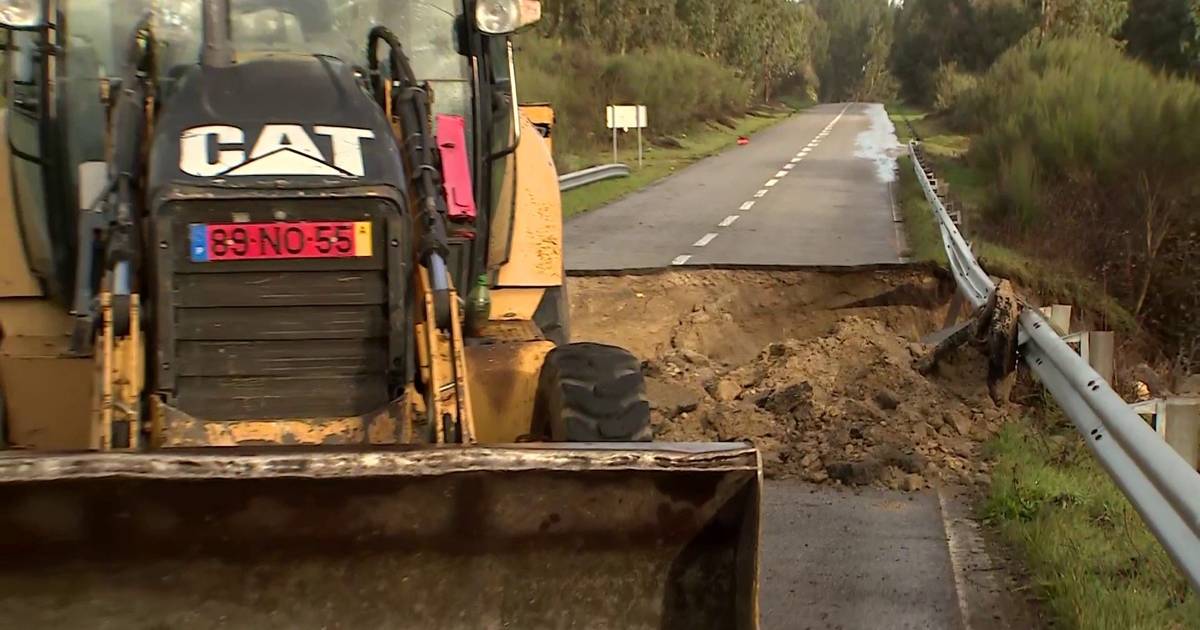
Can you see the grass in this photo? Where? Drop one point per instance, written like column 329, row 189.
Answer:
column 969, row 185
column 1090, row 557
column 924, row 237
column 659, row 162
column 1053, row 283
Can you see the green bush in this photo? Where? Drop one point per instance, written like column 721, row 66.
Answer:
column 951, row 84
column 678, row 88
column 1094, row 161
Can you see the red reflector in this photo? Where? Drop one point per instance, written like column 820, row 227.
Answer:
column 456, row 171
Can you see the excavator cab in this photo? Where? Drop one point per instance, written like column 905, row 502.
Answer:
column 238, row 380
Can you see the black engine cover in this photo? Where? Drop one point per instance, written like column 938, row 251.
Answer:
column 278, row 121
column 287, row 139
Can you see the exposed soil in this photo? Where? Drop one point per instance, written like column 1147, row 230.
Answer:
column 816, row 369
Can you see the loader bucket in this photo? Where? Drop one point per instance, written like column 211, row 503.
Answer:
column 522, row 537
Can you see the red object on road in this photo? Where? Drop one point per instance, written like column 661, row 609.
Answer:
column 743, row 140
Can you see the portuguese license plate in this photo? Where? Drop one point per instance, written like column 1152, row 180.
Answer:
column 265, row 241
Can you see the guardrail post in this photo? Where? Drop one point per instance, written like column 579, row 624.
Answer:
column 1059, row 316
column 1102, row 350
column 956, row 306
column 955, row 213
column 1181, row 427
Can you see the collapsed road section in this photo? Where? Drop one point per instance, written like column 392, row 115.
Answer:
column 817, row 369
column 864, row 452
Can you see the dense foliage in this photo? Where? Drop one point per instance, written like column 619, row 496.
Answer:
column 1085, row 114
column 1164, row 33
column 860, row 37
column 968, row 34
column 1082, row 140
column 972, row 34
column 763, row 41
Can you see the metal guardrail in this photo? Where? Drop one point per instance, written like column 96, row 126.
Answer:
column 1162, row 487
column 975, row 284
column 571, row 181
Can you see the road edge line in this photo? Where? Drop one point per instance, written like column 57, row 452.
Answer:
column 956, row 551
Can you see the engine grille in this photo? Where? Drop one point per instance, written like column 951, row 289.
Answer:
column 279, row 339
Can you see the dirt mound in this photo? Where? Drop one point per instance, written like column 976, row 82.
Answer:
column 815, row 369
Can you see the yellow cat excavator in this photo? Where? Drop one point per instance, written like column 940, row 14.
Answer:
column 240, row 383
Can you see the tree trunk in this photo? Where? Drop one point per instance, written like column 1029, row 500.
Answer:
column 1158, row 225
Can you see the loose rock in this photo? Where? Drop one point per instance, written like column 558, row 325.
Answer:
column 671, row 398
column 887, row 399
column 855, row 473
column 725, row 389
column 912, row 483
column 693, row 357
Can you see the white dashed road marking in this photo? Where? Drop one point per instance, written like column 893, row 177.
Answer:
column 787, row 168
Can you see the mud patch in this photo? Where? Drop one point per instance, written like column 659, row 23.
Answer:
column 815, row 368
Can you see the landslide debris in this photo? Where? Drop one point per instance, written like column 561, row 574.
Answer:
column 815, row 369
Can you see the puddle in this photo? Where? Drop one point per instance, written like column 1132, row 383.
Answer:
column 879, row 143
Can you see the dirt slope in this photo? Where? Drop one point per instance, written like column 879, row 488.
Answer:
column 814, row 368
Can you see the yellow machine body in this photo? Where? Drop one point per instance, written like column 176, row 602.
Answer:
column 37, row 371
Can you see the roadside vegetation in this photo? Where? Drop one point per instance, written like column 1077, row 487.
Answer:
column 1068, row 134
column 1088, row 554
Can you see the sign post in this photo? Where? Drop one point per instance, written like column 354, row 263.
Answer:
column 641, row 122
column 626, row 117
column 614, row 129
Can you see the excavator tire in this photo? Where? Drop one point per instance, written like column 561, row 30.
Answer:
column 591, row 392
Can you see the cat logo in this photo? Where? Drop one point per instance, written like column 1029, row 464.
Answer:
column 220, row 151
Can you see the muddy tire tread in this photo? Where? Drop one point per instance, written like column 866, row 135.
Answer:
column 590, row 392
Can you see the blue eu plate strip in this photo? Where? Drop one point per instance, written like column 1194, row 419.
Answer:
column 199, row 245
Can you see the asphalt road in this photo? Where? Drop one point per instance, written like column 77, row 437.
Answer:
column 839, row 559
column 809, row 191
column 814, row 190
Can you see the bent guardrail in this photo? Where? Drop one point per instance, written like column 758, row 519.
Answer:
column 571, row 181
column 1162, row 487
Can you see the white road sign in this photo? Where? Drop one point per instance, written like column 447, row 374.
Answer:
column 626, row 116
